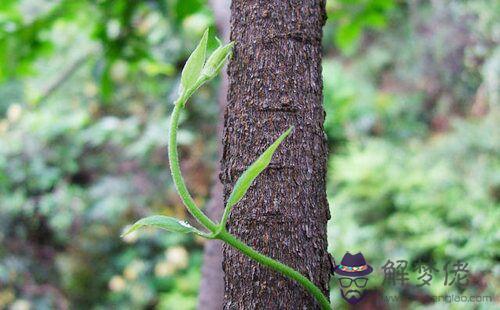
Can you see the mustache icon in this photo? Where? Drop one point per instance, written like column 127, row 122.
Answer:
column 352, row 296
column 356, row 293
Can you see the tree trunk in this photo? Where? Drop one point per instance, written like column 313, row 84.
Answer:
column 275, row 82
column 211, row 294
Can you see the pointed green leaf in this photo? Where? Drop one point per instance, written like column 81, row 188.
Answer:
column 216, row 61
column 246, row 179
column 164, row 222
column 219, row 42
column 194, row 64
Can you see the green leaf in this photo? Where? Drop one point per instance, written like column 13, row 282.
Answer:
column 246, row 179
column 219, row 42
column 216, row 61
column 348, row 36
column 164, row 222
column 194, row 64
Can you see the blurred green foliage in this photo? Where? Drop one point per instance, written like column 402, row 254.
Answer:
column 424, row 201
column 411, row 94
column 412, row 119
column 352, row 17
column 84, row 99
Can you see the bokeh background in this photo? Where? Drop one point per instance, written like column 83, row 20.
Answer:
column 411, row 92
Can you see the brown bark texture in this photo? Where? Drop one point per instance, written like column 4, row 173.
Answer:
column 275, row 82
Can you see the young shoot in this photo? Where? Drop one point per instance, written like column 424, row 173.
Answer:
column 196, row 72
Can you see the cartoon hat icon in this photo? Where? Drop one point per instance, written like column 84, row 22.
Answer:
column 353, row 266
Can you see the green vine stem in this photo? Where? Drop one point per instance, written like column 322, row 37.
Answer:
column 219, row 231
column 277, row 266
column 173, row 158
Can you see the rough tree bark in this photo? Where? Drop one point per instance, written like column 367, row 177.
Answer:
column 211, row 294
column 275, row 82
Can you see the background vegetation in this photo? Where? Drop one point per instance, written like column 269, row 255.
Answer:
column 411, row 95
